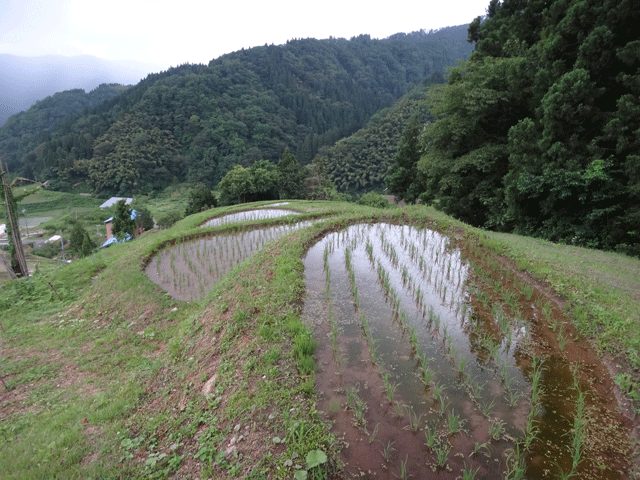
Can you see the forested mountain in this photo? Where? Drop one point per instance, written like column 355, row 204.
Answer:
column 360, row 162
column 195, row 122
column 24, row 131
column 25, row 80
column 539, row 131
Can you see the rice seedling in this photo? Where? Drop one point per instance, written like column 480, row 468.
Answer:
column 562, row 339
column 414, row 419
column 358, row 411
column 444, row 406
column 372, row 435
column 512, row 397
column 496, row 427
column 578, row 435
column 481, row 447
column 399, row 409
column 515, row 464
column 387, row 450
column 486, row 406
column 431, row 434
column 389, row 387
column 476, row 388
column 469, row 473
column 442, row 450
column 403, row 468
column 426, row 374
column 454, row 422
column 462, row 363
column 527, row 290
column 436, row 391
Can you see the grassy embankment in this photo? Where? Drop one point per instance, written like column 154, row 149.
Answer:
column 108, row 376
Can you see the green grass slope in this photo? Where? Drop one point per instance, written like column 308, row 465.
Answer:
column 106, row 376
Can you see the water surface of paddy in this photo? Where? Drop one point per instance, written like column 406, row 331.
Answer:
column 189, row 270
column 429, row 374
column 249, row 215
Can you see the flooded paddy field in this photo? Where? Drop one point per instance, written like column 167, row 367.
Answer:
column 437, row 361
column 190, row 269
column 262, row 213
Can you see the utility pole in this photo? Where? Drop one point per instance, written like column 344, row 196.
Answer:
column 26, row 220
column 62, row 247
column 18, row 263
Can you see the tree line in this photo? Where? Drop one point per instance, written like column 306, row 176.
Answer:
column 538, row 132
column 195, row 122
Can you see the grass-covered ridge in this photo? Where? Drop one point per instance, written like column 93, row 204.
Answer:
column 108, row 376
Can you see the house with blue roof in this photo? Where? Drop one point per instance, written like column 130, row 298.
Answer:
column 111, row 239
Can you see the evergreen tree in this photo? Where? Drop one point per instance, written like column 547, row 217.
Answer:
column 76, row 239
column 290, row 175
column 123, row 225
column 200, row 198
column 402, row 177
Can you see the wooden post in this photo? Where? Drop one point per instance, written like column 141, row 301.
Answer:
column 12, row 224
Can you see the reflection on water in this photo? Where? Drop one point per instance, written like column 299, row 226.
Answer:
column 417, row 380
column 189, row 270
column 249, row 215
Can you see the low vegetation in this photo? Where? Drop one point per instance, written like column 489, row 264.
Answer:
column 106, row 376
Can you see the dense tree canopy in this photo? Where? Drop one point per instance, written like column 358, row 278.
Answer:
column 200, row 198
column 539, row 131
column 123, row 225
column 195, row 122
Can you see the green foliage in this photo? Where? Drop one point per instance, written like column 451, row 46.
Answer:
column 200, row 198
column 123, row 225
column 373, row 199
column 80, row 243
column 143, row 218
column 402, row 176
column 236, row 185
column 194, row 122
column 24, row 131
column 290, row 176
column 360, row 162
column 535, row 132
column 168, row 219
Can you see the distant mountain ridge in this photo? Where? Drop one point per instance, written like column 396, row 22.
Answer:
column 194, row 122
column 25, row 80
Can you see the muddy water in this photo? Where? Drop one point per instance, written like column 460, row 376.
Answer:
column 423, row 380
column 189, row 270
column 249, row 215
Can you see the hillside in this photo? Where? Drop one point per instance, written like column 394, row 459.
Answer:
column 359, row 162
column 25, row 80
column 25, row 131
column 450, row 357
column 537, row 132
column 195, row 122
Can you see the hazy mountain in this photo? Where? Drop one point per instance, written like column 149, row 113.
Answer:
column 25, row 80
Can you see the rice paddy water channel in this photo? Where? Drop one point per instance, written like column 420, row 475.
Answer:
column 190, row 269
column 427, row 372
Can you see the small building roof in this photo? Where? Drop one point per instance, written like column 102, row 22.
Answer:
column 113, row 200
column 113, row 240
column 134, row 214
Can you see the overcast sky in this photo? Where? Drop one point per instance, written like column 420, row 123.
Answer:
column 167, row 33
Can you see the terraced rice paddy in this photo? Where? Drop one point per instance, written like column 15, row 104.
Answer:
column 189, row 270
column 436, row 362
column 249, row 215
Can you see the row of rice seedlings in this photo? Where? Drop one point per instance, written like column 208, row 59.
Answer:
column 332, row 321
column 531, row 429
column 248, row 216
column 356, row 405
column 578, row 432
